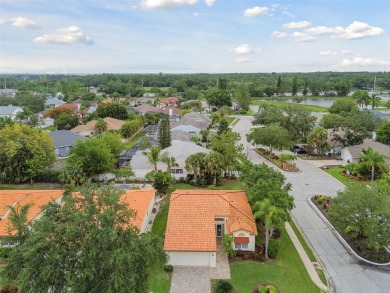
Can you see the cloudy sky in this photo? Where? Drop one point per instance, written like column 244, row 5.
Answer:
column 193, row 36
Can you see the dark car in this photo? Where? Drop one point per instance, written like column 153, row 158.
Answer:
column 298, row 148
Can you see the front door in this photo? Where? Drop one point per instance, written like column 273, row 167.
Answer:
column 219, row 230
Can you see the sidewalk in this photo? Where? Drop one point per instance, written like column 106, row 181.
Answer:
column 305, row 259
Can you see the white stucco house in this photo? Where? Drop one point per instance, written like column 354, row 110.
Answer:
column 180, row 150
column 197, row 218
column 10, row 111
column 351, row 154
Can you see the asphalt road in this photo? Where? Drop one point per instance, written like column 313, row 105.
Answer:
column 346, row 274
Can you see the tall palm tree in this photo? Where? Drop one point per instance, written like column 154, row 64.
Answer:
column 374, row 100
column 271, row 216
column 195, row 164
column 214, row 165
column 168, row 160
column 153, row 156
column 374, row 159
column 362, row 97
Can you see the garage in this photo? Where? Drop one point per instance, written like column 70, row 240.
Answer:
column 191, row 258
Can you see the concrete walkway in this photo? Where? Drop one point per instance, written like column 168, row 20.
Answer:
column 305, row 258
column 198, row 279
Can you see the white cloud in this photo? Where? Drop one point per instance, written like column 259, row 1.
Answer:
column 302, row 37
column 24, row 22
column 245, row 49
column 2, row 21
column 360, row 61
column 334, row 53
column 242, row 60
column 319, row 30
column 288, row 13
column 209, row 2
column 297, row 24
column 357, row 30
column 279, row 35
column 255, row 11
column 167, row 3
column 65, row 36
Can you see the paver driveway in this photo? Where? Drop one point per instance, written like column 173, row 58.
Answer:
column 197, row 279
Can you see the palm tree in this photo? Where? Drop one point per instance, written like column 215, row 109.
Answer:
column 153, row 156
column 168, row 160
column 271, row 216
column 19, row 221
column 214, row 165
column 374, row 159
column 362, row 98
column 100, row 125
column 374, row 100
column 195, row 164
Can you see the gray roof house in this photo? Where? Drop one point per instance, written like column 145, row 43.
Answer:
column 180, row 150
column 54, row 102
column 193, row 119
column 10, row 111
column 182, row 135
column 351, row 154
column 64, row 140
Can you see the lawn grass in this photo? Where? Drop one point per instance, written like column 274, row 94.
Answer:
column 335, row 172
column 235, row 121
column 230, row 119
column 287, row 272
column 311, row 108
column 35, row 186
column 129, row 144
column 308, row 251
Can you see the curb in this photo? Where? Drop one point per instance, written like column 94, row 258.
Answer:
column 310, row 267
column 342, row 241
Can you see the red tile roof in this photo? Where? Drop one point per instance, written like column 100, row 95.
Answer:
column 192, row 213
column 138, row 201
column 18, row 198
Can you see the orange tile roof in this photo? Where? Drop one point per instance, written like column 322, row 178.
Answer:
column 138, row 201
column 192, row 213
column 112, row 124
column 18, row 198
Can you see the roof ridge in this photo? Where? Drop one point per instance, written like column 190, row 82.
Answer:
column 236, row 191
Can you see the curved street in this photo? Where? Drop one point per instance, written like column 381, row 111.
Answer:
column 346, row 274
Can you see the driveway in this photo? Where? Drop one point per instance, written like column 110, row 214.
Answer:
column 197, row 279
column 345, row 273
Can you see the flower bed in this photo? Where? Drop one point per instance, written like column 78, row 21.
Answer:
column 274, row 159
column 355, row 240
column 264, row 287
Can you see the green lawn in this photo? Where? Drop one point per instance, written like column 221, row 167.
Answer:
column 235, row 121
column 311, row 108
column 287, row 272
column 131, row 143
column 230, row 119
column 335, row 172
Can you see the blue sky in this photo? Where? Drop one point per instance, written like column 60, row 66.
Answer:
column 193, row 36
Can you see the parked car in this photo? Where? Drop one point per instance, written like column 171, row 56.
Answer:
column 298, row 148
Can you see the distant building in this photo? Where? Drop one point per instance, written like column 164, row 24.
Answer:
column 10, row 111
column 54, row 102
column 11, row 93
column 64, row 140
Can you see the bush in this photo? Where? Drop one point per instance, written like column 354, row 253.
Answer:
column 320, row 199
column 5, row 252
column 9, row 289
column 273, row 248
column 267, row 289
column 168, row 268
column 48, row 176
column 222, row 286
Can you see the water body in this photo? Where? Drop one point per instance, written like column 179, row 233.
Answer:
column 322, row 102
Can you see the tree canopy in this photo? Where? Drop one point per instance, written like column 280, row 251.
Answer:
column 24, row 153
column 86, row 244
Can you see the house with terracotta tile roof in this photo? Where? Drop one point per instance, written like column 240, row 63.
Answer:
column 18, row 198
column 142, row 202
column 197, row 218
column 169, row 102
column 89, row 128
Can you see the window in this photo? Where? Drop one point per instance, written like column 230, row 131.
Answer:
column 219, row 219
column 241, row 246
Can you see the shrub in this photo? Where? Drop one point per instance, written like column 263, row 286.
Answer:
column 48, row 176
column 273, row 248
column 5, row 252
column 267, row 289
column 168, row 268
column 9, row 289
column 222, row 286
column 227, row 243
column 320, row 199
